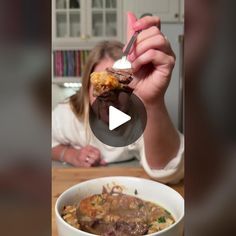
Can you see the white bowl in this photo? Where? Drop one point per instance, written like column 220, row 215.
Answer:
column 146, row 189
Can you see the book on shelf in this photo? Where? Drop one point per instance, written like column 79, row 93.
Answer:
column 58, row 64
column 64, row 65
column 77, row 62
column 69, row 63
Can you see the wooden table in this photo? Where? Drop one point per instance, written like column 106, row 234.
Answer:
column 63, row 178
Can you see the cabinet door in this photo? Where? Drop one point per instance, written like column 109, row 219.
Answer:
column 104, row 19
column 67, row 19
column 74, row 12
column 182, row 10
column 167, row 10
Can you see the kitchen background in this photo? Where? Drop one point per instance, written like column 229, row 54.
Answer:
column 77, row 25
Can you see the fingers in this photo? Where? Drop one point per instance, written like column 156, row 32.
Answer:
column 145, row 34
column 91, row 155
column 147, row 22
column 156, row 42
column 150, row 38
column 102, row 162
column 157, row 58
column 88, row 156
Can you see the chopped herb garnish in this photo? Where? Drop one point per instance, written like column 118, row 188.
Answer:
column 150, row 225
column 161, row 219
column 135, row 192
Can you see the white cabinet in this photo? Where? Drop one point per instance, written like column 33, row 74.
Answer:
column 82, row 23
column 77, row 26
column 67, row 18
column 167, row 10
column 104, row 18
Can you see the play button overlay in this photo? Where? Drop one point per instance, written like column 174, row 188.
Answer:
column 118, row 121
column 117, row 118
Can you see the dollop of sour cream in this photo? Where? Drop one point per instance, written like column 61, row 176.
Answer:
column 123, row 63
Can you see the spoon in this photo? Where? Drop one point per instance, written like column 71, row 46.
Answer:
column 124, row 63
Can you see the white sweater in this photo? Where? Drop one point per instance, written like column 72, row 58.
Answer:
column 68, row 130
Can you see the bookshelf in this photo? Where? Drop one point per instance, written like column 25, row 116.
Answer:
column 68, row 65
column 62, row 80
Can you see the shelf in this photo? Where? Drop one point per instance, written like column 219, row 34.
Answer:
column 61, row 10
column 72, row 44
column 77, row 43
column 74, row 10
column 106, row 10
column 62, row 80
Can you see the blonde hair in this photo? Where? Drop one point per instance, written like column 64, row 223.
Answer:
column 79, row 102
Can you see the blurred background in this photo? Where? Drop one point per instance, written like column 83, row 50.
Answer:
column 78, row 25
column 29, row 36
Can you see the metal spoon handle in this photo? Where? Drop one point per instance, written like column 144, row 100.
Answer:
column 131, row 42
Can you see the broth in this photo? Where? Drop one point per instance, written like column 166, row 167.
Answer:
column 117, row 214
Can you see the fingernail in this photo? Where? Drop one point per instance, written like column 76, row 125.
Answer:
column 137, row 26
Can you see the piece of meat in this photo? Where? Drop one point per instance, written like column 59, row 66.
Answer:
column 119, row 228
column 118, row 214
column 109, row 214
column 124, row 76
column 127, row 229
column 103, row 82
column 111, row 80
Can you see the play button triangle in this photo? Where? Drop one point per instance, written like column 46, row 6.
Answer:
column 117, row 118
column 115, row 126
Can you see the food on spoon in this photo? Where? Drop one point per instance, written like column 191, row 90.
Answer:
column 117, row 214
column 111, row 80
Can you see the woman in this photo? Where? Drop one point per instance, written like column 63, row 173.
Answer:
column 160, row 149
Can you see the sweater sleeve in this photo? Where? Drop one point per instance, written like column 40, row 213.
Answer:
column 57, row 134
column 173, row 172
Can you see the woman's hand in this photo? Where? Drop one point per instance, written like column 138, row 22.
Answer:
column 152, row 59
column 87, row 156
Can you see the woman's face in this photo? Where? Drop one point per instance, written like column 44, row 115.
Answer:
column 105, row 63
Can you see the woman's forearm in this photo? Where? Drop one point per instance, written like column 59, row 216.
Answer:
column 87, row 156
column 161, row 139
column 59, row 153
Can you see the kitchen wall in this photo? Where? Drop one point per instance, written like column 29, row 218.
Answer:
column 172, row 31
